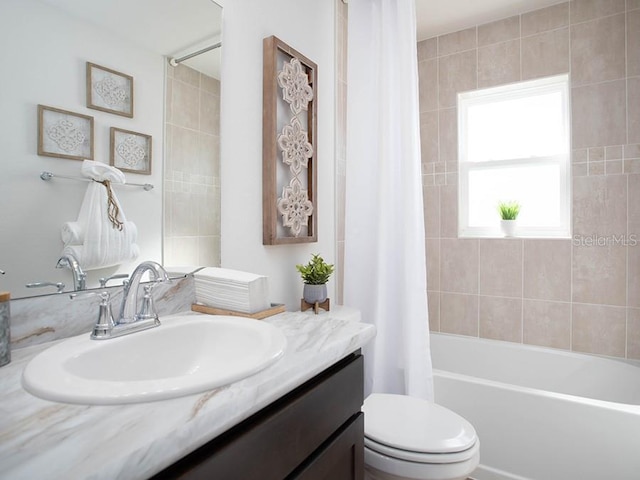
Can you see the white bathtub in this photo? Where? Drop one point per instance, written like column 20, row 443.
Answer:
column 540, row 413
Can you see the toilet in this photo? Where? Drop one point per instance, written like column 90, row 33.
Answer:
column 411, row 438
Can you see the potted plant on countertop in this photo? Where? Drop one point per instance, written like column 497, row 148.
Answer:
column 315, row 276
column 508, row 214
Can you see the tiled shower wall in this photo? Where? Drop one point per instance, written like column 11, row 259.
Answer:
column 192, row 169
column 580, row 294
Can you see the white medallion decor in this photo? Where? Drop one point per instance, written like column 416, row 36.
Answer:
column 295, row 86
column 64, row 134
column 289, row 145
column 296, row 150
column 109, row 90
column 130, row 151
column 295, row 207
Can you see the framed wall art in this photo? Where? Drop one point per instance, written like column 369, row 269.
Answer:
column 109, row 91
column 130, row 151
column 289, row 143
column 64, row 134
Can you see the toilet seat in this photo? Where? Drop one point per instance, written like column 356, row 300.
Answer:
column 416, row 430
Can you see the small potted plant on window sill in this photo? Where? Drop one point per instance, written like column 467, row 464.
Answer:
column 315, row 275
column 508, row 214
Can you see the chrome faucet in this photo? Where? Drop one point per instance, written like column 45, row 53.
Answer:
column 131, row 319
column 71, row 262
column 129, row 312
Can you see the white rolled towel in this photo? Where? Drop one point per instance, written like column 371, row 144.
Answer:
column 72, row 233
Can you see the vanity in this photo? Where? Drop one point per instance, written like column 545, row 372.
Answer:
column 298, row 418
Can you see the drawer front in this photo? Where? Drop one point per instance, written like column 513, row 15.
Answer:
column 273, row 442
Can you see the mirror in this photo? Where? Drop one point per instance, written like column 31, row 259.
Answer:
column 54, row 39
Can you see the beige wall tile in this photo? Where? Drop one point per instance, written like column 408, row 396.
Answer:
column 633, row 264
column 499, row 64
column 499, row 31
column 184, row 251
column 208, row 213
column 459, row 314
column 449, row 211
column 168, row 104
column 427, row 49
column 547, row 324
column 549, row 18
column 545, row 54
column 448, row 135
column 598, row 329
column 210, row 84
column 547, row 269
column 456, row 73
column 431, row 199
column 598, row 50
column 633, row 182
column 207, row 162
column 428, row 84
column 184, row 216
column 500, row 267
column 633, row 333
column 186, row 100
column 429, row 133
column 633, row 85
column 501, row 318
column 209, row 113
column 599, row 113
column 459, row 265
column 633, row 5
column 184, row 149
column 187, row 75
column 432, row 250
column 457, row 41
column 433, row 299
column 584, row 10
column 600, row 274
column 600, row 206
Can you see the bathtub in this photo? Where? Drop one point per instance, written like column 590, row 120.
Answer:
column 540, row 413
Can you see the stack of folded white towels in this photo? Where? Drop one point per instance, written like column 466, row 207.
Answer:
column 232, row 290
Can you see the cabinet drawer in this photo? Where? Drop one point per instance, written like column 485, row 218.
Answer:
column 272, row 443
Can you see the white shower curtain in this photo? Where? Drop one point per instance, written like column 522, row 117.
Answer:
column 385, row 269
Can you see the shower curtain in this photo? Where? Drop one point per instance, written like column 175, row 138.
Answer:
column 384, row 266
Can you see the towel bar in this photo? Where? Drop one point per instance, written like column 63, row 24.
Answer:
column 46, row 176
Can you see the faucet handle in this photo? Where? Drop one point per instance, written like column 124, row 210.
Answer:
column 103, row 280
column 60, row 286
column 147, row 310
column 105, row 323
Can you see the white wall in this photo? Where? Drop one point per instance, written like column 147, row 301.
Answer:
column 307, row 26
column 43, row 62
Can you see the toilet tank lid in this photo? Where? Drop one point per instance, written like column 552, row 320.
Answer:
column 410, row 423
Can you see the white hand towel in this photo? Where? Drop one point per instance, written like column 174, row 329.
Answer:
column 102, row 245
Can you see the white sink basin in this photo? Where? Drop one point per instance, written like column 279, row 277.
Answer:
column 186, row 354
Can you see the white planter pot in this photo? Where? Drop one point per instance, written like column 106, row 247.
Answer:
column 508, row 227
column 314, row 293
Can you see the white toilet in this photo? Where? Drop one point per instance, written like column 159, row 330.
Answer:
column 411, row 438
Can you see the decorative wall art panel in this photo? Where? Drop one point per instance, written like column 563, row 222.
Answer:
column 130, row 151
column 64, row 134
column 109, row 91
column 289, row 177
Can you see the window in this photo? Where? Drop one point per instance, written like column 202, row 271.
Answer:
column 513, row 145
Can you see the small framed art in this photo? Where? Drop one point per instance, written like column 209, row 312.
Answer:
column 130, row 151
column 109, row 91
column 64, row 134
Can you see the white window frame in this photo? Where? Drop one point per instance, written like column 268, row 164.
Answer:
column 558, row 83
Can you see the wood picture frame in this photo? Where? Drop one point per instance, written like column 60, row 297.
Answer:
column 64, row 134
column 130, row 151
column 289, row 145
column 109, row 90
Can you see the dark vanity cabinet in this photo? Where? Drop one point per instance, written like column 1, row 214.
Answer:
column 316, row 432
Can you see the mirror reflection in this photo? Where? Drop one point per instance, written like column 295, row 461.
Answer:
column 177, row 108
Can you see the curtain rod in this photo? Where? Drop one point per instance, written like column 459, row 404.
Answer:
column 48, row 176
column 175, row 61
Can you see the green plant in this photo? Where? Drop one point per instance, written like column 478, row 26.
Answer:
column 316, row 272
column 509, row 210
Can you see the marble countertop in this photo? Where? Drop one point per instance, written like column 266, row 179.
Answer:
column 43, row 439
